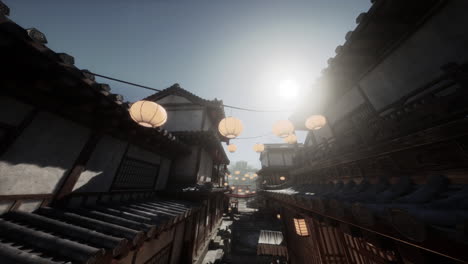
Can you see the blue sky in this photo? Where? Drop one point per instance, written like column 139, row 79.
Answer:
column 238, row 51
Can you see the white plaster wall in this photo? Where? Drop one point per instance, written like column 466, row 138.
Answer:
column 442, row 39
column 102, row 166
column 144, row 155
column 347, row 103
column 182, row 120
column 174, row 99
column 163, row 176
column 184, row 168
column 206, row 167
column 14, row 112
column 41, row 156
column 276, row 158
column 264, row 160
column 288, row 158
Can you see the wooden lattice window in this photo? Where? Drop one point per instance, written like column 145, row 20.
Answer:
column 162, row 257
column 301, row 227
column 136, row 174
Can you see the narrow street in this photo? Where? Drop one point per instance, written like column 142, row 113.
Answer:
column 238, row 236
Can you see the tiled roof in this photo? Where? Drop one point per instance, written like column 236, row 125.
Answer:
column 398, row 210
column 87, row 234
column 206, row 138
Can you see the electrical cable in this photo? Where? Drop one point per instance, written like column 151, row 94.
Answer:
column 158, row 90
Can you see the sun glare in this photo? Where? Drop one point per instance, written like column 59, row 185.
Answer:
column 288, row 89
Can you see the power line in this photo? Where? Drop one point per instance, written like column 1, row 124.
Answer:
column 159, row 90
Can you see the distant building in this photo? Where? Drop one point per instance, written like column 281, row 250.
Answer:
column 277, row 161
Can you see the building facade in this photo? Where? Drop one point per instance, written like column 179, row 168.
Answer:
column 80, row 182
column 385, row 180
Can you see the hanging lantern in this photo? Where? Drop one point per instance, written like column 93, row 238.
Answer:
column 254, row 191
column 247, row 191
column 237, row 172
column 259, row 147
column 282, row 178
column 233, row 188
column 236, row 178
column 291, row 139
column 246, row 175
column 301, row 227
column 278, row 216
column 230, row 176
column 315, row 122
column 283, row 128
column 230, row 127
column 148, row 114
column 225, row 184
column 255, row 175
column 239, row 190
column 243, row 179
column 232, row 148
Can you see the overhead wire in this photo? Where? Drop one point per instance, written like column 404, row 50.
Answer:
column 159, row 90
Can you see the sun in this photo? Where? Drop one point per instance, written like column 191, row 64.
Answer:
column 288, row 89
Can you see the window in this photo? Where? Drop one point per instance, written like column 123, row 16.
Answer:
column 135, row 174
column 301, row 227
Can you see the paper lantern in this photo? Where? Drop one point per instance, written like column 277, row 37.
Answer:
column 282, row 178
column 315, row 122
column 246, row 175
column 232, row 148
column 278, row 216
column 291, row 139
column 230, row 127
column 254, row 191
column 230, row 176
column 236, row 178
column 283, row 128
column 255, row 175
column 243, row 179
column 301, row 227
column 225, row 184
column 247, row 191
column 239, row 190
column 237, row 172
column 233, row 188
column 259, row 148
column 148, row 114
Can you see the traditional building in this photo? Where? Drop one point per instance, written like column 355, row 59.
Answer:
column 385, row 181
column 81, row 182
column 277, row 161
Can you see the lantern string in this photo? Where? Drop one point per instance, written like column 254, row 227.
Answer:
column 159, row 90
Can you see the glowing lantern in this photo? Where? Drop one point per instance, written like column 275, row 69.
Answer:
column 148, row 114
column 282, row 178
column 240, row 190
column 243, row 179
column 253, row 191
column 247, row 191
column 246, row 175
column 278, row 216
column 259, row 148
column 236, row 178
column 232, row 148
column 237, row 172
column 233, row 188
column 230, row 176
column 255, row 175
column 315, row 122
column 230, row 127
column 225, row 184
column 301, row 227
column 291, row 139
column 283, row 128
